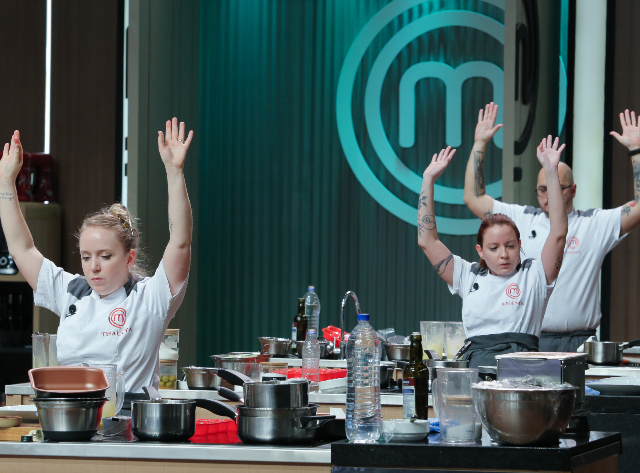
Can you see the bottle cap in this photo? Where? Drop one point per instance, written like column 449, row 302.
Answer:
column 364, row 317
column 312, row 331
column 311, row 288
column 26, row 438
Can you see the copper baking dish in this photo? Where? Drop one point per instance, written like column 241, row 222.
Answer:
column 68, row 381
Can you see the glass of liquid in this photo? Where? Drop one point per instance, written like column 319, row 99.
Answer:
column 453, row 404
column 115, row 391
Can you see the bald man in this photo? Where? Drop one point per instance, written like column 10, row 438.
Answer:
column 573, row 311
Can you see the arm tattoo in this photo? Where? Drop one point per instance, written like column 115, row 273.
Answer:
column 626, row 210
column 423, row 201
column 478, row 171
column 636, row 179
column 7, row 196
column 559, row 263
column 428, row 222
column 441, row 267
column 487, row 213
column 170, row 226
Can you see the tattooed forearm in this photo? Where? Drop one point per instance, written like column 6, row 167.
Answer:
column 441, row 267
column 626, row 210
column 170, row 226
column 7, row 196
column 428, row 222
column 559, row 263
column 478, row 171
column 636, row 179
column 487, row 213
column 422, row 202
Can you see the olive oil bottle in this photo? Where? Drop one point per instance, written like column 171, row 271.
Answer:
column 300, row 322
column 415, row 382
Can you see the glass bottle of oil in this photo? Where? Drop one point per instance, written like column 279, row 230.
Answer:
column 415, row 382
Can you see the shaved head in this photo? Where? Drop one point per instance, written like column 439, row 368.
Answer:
column 565, row 175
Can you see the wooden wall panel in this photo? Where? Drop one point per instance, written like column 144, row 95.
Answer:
column 625, row 259
column 22, row 48
column 84, row 111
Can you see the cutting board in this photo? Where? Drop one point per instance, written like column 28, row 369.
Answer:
column 13, row 434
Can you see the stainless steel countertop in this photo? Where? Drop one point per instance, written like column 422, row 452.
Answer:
column 166, row 451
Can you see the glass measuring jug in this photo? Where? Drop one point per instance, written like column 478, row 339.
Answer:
column 44, row 351
column 453, row 404
column 115, row 391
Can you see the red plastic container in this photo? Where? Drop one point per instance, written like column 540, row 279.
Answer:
column 216, row 431
column 325, row 373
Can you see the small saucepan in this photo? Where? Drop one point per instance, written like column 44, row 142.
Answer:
column 607, row 353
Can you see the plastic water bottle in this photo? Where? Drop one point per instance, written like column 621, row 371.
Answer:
column 311, row 360
column 363, row 423
column 312, row 308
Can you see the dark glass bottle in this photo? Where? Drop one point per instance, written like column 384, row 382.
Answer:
column 415, row 382
column 299, row 325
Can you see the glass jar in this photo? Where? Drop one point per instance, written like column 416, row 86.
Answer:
column 168, row 374
column 169, row 348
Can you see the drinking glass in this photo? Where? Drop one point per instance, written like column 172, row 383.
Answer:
column 115, row 391
column 453, row 404
column 454, row 338
column 432, row 337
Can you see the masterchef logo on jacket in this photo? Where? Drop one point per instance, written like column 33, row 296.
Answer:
column 513, row 291
column 117, row 318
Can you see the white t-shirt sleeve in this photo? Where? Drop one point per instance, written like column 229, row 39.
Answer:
column 158, row 297
column 541, row 279
column 52, row 286
column 513, row 211
column 607, row 227
column 462, row 277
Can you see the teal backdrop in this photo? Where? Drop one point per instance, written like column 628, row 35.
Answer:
column 279, row 205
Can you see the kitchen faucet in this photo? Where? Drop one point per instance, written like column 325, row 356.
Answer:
column 344, row 302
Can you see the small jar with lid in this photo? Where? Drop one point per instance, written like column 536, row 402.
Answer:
column 168, row 374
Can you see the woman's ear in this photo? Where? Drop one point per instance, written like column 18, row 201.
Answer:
column 131, row 258
column 480, row 252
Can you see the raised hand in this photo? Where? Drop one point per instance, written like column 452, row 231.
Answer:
column 485, row 128
column 630, row 131
column 173, row 148
column 548, row 152
column 11, row 161
column 439, row 163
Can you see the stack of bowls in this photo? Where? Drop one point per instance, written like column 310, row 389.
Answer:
column 69, row 400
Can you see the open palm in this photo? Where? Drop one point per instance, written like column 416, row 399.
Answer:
column 11, row 161
column 548, row 152
column 439, row 163
column 485, row 128
column 630, row 130
column 173, row 148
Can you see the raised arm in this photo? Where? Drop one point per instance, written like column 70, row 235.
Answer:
column 553, row 250
column 19, row 239
column 478, row 202
column 177, row 256
column 630, row 216
column 438, row 254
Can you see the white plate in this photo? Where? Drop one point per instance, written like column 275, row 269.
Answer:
column 412, row 437
column 618, row 385
column 29, row 413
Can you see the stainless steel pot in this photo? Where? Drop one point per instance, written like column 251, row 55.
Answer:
column 275, row 346
column 169, row 420
column 396, row 351
column 275, row 394
column 607, row 353
column 201, row 378
column 68, row 420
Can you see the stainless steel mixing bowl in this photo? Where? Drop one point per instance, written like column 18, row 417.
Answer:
column 69, row 420
column 523, row 416
column 275, row 346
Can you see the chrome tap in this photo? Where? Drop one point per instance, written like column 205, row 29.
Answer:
column 344, row 302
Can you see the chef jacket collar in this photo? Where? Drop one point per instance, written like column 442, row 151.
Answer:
column 116, row 295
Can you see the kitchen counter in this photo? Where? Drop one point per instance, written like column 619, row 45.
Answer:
column 103, row 456
column 608, row 371
column 598, row 452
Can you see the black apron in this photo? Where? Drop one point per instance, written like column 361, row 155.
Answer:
column 484, row 348
column 567, row 342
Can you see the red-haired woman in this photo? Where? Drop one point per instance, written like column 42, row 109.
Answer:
column 503, row 297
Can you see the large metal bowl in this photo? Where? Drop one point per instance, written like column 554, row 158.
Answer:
column 396, row 351
column 69, row 420
column 523, row 416
column 275, row 346
column 201, row 378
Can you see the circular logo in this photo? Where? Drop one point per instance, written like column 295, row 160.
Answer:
column 513, row 291
column 573, row 243
column 118, row 317
column 453, row 79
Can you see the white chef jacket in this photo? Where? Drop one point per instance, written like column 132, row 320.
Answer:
column 124, row 328
column 501, row 304
column 575, row 303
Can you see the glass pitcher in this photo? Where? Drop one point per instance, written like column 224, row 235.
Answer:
column 115, row 392
column 453, row 404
